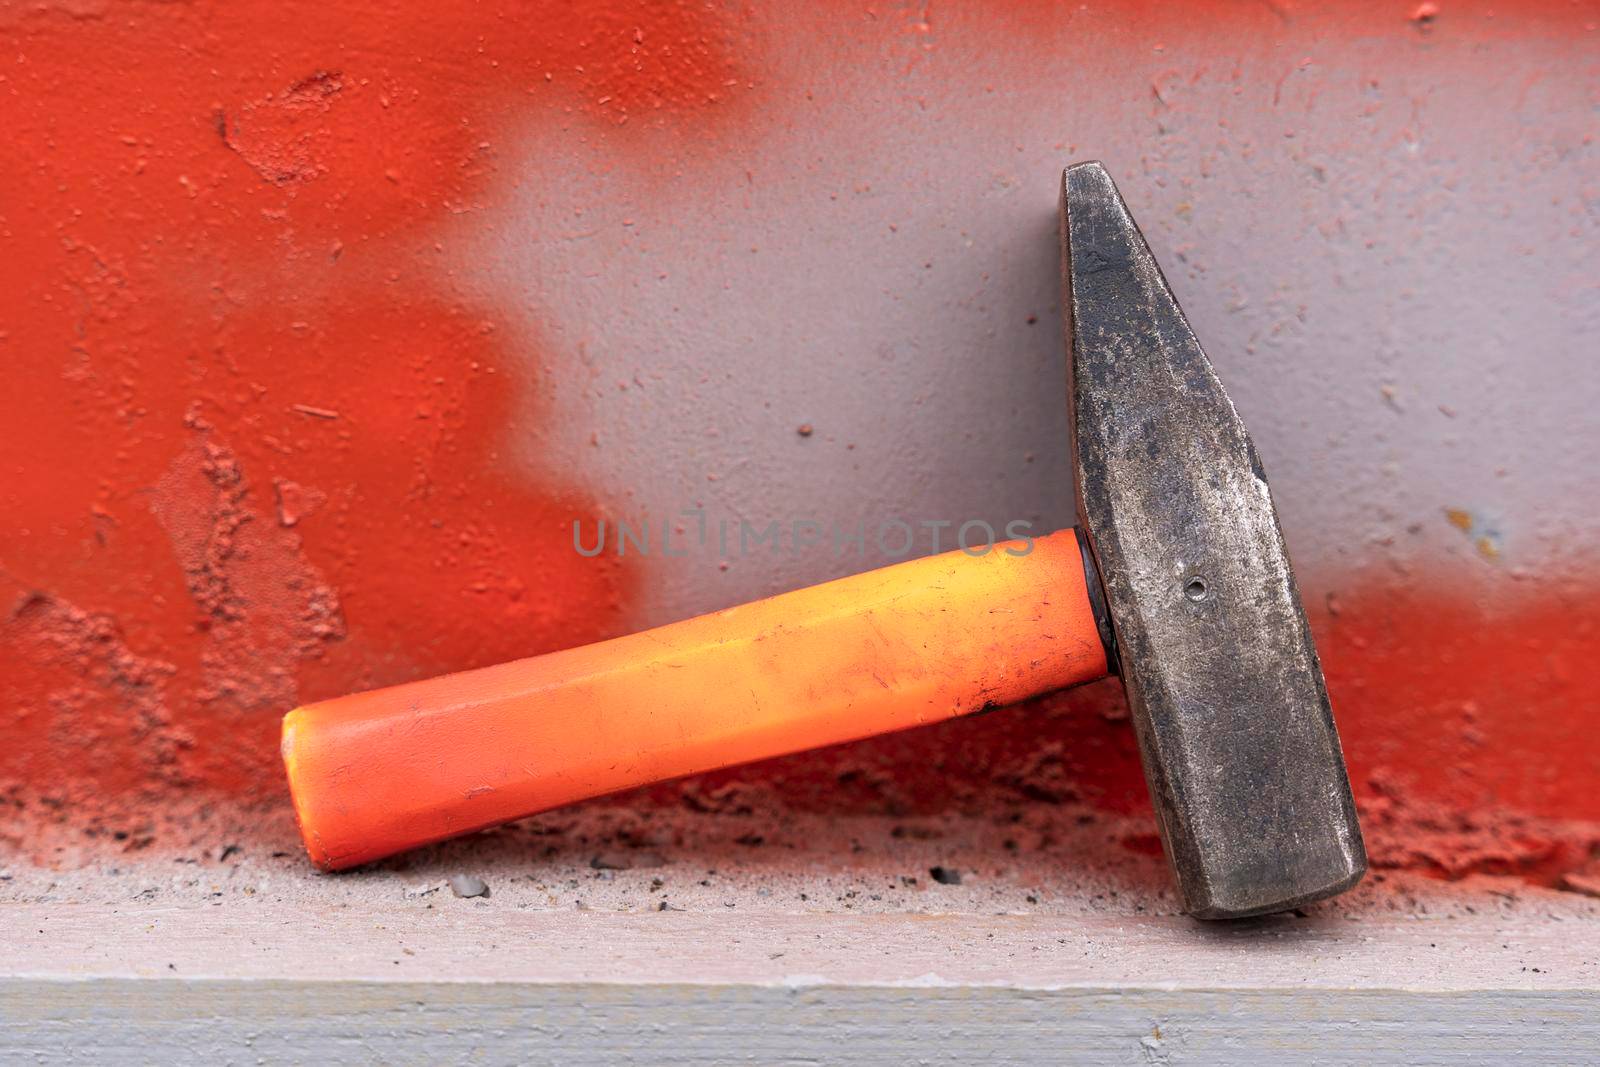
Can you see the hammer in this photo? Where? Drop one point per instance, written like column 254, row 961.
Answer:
column 1176, row 579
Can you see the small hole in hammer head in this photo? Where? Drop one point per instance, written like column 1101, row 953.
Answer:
column 1196, row 589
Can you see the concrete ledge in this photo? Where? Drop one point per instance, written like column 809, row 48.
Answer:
column 619, row 936
column 210, row 1020
column 465, row 980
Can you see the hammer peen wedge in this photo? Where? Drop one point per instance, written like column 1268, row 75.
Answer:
column 1176, row 579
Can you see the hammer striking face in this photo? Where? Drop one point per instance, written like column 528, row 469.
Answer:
column 1177, row 580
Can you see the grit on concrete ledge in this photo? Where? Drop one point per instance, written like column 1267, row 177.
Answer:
column 608, row 932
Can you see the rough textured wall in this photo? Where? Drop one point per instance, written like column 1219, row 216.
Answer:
column 322, row 323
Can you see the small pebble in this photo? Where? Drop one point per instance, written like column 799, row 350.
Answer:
column 945, row 875
column 806, row 429
column 467, row 885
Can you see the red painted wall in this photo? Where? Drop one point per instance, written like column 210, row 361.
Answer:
column 254, row 449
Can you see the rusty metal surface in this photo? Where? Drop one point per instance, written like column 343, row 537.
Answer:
column 1226, row 691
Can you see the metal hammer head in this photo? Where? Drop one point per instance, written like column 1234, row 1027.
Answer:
column 1223, row 683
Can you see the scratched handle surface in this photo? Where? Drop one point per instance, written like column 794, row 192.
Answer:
column 379, row 772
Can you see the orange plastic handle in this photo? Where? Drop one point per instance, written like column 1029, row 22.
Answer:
column 379, row 772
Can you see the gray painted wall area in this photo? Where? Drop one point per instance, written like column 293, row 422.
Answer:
column 1385, row 238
